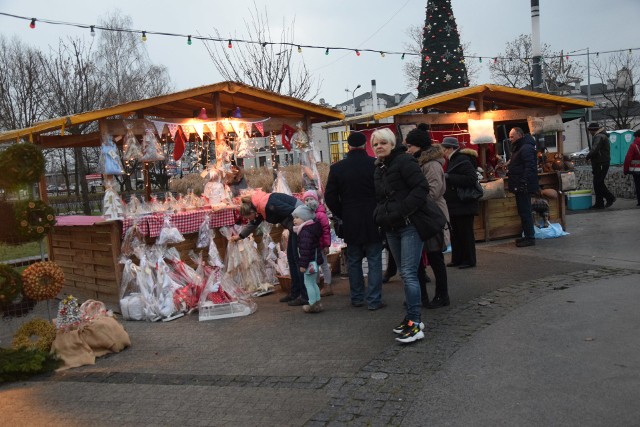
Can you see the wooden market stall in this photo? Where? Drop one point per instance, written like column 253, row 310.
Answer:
column 450, row 112
column 88, row 248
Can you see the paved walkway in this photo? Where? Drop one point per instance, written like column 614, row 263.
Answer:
column 509, row 350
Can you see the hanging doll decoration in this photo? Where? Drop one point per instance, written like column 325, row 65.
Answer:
column 280, row 184
column 300, row 140
column 215, row 190
column 113, row 207
column 245, row 266
column 109, row 162
column 151, row 146
column 310, row 175
column 245, row 147
column 132, row 148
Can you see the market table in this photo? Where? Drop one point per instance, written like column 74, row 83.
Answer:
column 88, row 248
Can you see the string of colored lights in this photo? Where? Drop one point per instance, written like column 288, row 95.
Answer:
column 144, row 34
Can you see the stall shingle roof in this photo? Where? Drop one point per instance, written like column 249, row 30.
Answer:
column 457, row 100
column 253, row 103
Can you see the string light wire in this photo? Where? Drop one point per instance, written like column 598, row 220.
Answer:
column 94, row 27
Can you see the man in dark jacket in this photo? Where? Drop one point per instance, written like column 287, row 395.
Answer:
column 523, row 181
column 600, row 158
column 350, row 195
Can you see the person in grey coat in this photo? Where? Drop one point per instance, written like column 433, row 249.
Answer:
column 350, row 195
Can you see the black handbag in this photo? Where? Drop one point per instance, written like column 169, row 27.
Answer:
column 428, row 219
column 474, row 192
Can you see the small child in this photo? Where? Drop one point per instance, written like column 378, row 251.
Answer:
column 310, row 199
column 309, row 233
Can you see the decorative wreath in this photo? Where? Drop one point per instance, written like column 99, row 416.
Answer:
column 34, row 218
column 21, row 164
column 9, row 229
column 43, row 329
column 10, row 284
column 42, row 280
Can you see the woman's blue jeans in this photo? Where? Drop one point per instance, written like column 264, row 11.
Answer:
column 406, row 246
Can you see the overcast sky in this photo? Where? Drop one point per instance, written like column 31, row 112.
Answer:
column 568, row 25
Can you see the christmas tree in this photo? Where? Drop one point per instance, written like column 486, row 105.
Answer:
column 442, row 66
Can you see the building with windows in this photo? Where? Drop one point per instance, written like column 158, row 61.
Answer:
column 333, row 141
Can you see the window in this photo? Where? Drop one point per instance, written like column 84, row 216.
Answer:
column 345, row 135
column 333, row 137
column 550, row 140
column 335, row 154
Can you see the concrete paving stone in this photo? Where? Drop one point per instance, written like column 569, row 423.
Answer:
column 269, row 344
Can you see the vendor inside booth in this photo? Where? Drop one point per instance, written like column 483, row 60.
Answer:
column 481, row 118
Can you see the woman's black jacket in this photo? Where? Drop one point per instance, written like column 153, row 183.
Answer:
column 401, row 189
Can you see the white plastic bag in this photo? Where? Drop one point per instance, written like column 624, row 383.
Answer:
column 169, row 234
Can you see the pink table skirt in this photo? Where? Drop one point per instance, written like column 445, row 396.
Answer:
column 76, row 220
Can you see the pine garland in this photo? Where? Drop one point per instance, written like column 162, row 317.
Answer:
column 21, row 164
column 19, row 364
column 10, row 284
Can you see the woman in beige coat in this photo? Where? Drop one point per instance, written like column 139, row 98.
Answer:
column 431, row 161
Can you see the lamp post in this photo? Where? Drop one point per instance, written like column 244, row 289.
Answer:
column 353, row 98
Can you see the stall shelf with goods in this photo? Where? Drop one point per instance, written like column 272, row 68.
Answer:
column 484, row 128
column 88, row 249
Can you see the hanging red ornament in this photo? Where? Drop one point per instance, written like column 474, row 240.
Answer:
column 179, row 144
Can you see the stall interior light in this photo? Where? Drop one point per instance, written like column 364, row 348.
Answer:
column 32, row 25
column 144, row 36
column 299, row 49
column 326, row 52
column 189, row 40
column 230, row 45
column 357, row 53
column 472, row 106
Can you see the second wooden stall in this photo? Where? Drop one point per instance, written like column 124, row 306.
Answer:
column 449, row 114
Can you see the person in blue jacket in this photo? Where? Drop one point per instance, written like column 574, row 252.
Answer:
column 523, row 181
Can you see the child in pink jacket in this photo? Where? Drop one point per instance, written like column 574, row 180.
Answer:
column 310, row 198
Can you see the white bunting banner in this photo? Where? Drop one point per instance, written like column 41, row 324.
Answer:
column 212, row 127
column 159, row 126
column 199, row 127
column 187, row 129
column 173, row 128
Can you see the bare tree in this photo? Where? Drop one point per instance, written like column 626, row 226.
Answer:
column 514, row 67
column 620, row 75
column 124, row 64
column 21, row 85
column 411, row 67
column 266, row 64
column 74, row 86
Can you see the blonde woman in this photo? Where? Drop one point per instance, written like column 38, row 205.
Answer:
column 401, row 188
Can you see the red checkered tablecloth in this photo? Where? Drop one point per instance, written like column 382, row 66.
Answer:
column 186, row 222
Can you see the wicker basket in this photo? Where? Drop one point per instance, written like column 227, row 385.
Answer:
column 285, row 283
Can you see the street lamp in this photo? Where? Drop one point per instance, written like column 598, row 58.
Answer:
column 353, row 98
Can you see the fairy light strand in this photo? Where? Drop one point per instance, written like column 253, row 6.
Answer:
column 299, row 47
